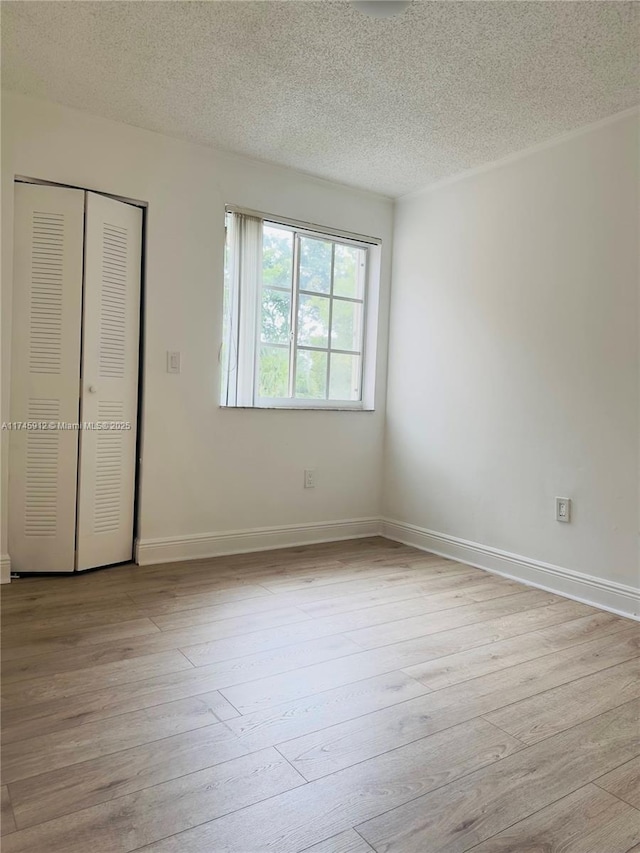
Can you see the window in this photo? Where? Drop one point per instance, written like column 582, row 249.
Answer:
column 297, row 305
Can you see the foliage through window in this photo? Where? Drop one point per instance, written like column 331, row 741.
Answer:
column 295, row 315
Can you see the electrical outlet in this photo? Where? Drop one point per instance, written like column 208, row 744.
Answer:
column 563, row 510
column 309, row 478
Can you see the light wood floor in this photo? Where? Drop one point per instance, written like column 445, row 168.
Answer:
column 340, row 698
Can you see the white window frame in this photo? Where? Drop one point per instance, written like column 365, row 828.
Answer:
column 240, row 379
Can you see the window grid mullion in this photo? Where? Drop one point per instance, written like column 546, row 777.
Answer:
column 293, row 328
column 333, row 267
column 277, row 287
column 339, row 298
column 326, row 349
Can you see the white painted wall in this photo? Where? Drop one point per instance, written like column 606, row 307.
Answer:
column 514, row 373
column 206, row 470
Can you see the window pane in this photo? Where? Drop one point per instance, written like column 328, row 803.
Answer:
column 344, row 383
column 311, row 374
column 273, row 370
column 315, row 265
column 348, row 276
column 346, row 325
column 277, row 256
column 313, row 321
column 275, row 316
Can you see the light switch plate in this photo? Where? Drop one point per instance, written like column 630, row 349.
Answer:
column 173, row 361
column 563, row 510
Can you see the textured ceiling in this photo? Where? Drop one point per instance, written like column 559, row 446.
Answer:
column 389, row 105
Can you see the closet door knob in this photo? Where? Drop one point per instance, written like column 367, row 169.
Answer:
column 92, row 389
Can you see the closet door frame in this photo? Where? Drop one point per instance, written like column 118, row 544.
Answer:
column 70, row 563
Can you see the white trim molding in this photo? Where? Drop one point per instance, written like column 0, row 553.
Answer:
column 607, row 595
column 200, row 546
column 5, row 568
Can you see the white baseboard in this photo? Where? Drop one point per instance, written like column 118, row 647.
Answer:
column 203, row 545
column 607, row 595
column 5, row 568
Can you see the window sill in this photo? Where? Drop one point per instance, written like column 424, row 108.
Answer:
column 300, row 409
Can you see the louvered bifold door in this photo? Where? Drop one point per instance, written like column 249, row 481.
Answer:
column 45, row 376
column 111, row 320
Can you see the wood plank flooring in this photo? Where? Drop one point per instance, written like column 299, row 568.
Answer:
column 354, row 697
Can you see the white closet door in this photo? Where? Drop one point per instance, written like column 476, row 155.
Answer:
column 111, row 320
column 45, row 377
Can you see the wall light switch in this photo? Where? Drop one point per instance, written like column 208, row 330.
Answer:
column 563, row 510
column 173, row 362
